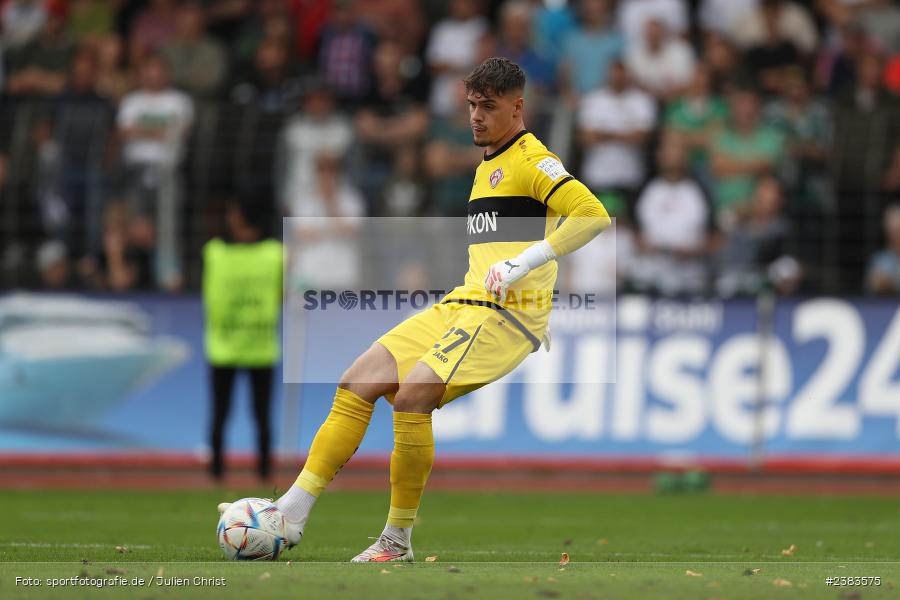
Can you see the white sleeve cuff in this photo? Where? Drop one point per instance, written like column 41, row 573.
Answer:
column 538, row 254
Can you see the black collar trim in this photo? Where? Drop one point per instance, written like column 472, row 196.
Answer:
column 505, row 146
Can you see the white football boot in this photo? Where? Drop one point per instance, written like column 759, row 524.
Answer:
column 293, row 532
column 384, row 549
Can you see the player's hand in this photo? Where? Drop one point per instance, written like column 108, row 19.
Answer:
column 503, row 274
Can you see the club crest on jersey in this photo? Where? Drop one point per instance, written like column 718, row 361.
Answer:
column 496, row 177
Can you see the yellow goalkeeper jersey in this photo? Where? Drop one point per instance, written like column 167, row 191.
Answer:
column 518, row 198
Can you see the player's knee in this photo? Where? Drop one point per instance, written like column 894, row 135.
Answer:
column 372, row 375
column 417, row 398
column 370, row 391
column 348, row 380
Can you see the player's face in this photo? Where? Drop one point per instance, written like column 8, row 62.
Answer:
column 492, row 116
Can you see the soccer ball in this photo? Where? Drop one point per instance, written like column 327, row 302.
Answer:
column 251, row 529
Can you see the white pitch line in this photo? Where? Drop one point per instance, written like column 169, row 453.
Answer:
column 74, row 545
column 703, row 557
column 71, row 515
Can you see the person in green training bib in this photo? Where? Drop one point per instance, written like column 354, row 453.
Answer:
column 242, row 292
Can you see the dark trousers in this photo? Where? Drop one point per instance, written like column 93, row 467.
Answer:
column 222, row 379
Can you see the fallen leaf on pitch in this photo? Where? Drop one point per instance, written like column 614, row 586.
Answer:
column 602, row 542
column 532, row 579
column 385, row 572
column 159, row 572
column 399, row 566
column 690, row 573
column 789, row 551
column 551, row 579
column 749, row 572
column 431, row 558
column 452, row 569
column 288, row 563
column 264, row 576
column 121, row 549
column 782, row 583
column 564, row 559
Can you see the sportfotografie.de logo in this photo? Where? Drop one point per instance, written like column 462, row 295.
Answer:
column 374, row 300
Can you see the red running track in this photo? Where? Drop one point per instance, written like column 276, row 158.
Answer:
column 776, row 475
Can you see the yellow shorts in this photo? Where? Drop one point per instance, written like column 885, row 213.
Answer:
column 468, row 346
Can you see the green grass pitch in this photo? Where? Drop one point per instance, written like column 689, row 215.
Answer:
column 487, row 546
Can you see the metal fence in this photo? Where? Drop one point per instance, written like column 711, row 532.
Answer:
column 835, row 219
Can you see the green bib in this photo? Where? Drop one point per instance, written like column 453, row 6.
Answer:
column 242, row 302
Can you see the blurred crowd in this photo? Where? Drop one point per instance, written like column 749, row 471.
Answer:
column 741, row 145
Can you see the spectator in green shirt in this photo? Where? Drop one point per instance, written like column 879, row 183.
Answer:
column 198, row 63
column 694, row 118
column 742, row 152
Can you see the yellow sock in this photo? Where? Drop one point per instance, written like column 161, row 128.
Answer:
column 411, row 463
column 336, row 441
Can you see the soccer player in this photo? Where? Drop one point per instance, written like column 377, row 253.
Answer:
column 477, row 333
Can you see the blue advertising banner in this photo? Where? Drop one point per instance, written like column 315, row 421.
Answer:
column 692, row 378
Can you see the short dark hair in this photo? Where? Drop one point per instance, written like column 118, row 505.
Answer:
column 497, row 76
column 252, row 210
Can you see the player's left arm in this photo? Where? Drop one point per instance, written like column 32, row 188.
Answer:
column 585, row 216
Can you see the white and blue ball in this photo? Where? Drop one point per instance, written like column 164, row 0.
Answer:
column 251, row 529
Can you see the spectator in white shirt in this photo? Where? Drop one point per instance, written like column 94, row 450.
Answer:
column 633, row 16
column 790, row 22
column 662, row 64
column 317, row 129
column 20, row 22
column 674, row 218
column 722, row 16
column 325, row 246
column 613, row 126
column 605, row 265
column 154, row 122
column 452, row 51
column 154, row 119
